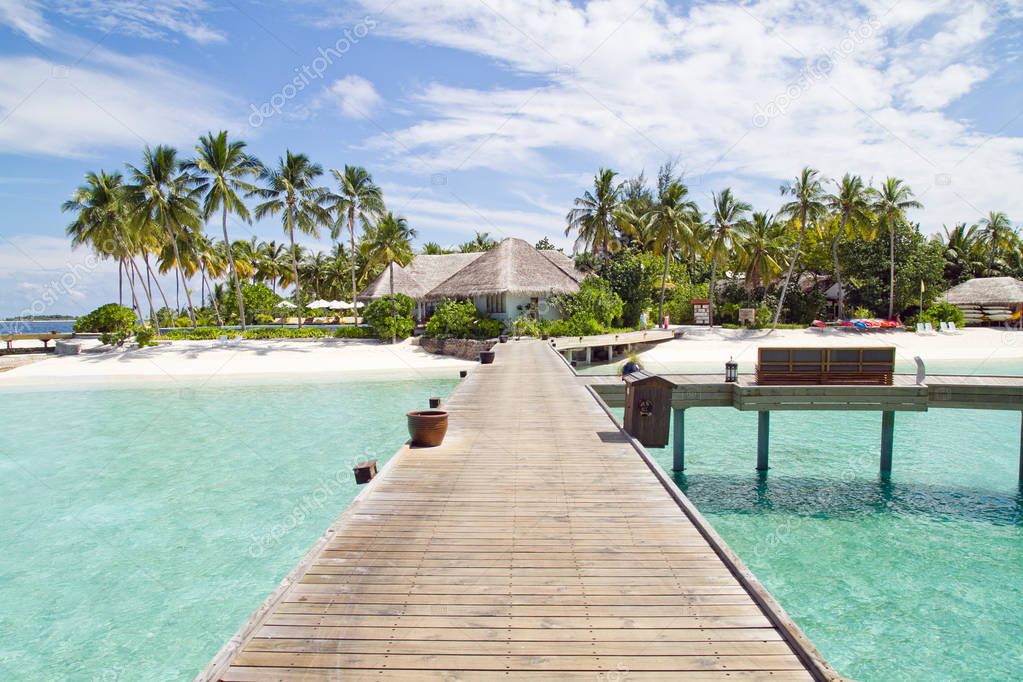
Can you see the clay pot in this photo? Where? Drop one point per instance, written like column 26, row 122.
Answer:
column 427, row 427
column 486, row 357
column 503, row 338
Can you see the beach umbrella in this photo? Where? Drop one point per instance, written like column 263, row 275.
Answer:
column 319, row 303
column 285, row 304
column 338, row 305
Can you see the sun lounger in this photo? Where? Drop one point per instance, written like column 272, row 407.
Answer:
column 928, row 329
column 920, row 328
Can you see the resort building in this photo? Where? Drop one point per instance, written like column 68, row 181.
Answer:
column 510, row 280
column 988, row 300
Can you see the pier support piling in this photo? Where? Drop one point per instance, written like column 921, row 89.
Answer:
column 678, row 462
column 1021, row 447
column 887, row 441
column 763, row 439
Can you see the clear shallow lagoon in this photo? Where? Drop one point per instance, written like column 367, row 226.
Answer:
column 133, row 546
column 920, row 578
column 142, row 526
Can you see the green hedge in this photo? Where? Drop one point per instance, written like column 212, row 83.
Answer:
column 213, row 333
column 461, row 320
column 379, row 317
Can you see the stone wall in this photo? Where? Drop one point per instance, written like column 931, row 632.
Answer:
column 467, row 349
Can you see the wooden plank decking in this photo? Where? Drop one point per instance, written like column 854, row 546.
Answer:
column 535, row 543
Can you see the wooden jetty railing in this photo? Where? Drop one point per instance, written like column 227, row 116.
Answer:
column 538, row 542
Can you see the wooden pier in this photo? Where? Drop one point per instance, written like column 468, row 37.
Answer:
column 976, row 392
column 538, row 542
column 605, row 347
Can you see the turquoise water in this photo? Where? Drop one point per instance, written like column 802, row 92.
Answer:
column 920, row 578
column 141, row 527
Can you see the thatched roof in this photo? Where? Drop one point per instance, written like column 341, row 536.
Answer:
column 566, row 263
column 986, row 291
column 513, row 266
column 420, row 276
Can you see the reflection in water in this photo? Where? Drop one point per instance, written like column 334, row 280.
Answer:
column 833, row 498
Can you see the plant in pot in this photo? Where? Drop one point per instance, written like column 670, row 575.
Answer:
column 427, row 427
column 486, row 357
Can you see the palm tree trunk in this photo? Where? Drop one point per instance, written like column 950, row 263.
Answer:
column 213, row 299
column 664, row 281
column 177, row 267
column 351, row 235
column 713, row 272
column 294, row 272
column 391, row 268
column 149, row 272
column 788, row 275
column 135, row 298
column 838, row 269
column 234, row 270
column 120, row 282
column 891, row 273
column 149, row 296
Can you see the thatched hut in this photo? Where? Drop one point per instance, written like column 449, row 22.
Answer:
column 512, row 279
column 505, row 282
column 987, row 299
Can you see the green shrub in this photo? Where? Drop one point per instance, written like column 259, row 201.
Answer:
column 595, row 299
column 352, row 333
column 461, row 320
column 144, row 337
column 943, row 312
column 378, row 316
column 197, row 334
column 286, row 333
column 259, row 300
column 862, row 313
column 525, row 325
column 110, row 318
column 580, row 324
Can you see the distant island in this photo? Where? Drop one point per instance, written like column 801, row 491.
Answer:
column 40, row 318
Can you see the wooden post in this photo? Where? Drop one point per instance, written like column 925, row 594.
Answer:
column 887, row 441
column 679, row 439
column 763, row 439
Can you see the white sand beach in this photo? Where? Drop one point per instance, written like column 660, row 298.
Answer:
column 714, row 347
column 701, row 349
column 207, row 360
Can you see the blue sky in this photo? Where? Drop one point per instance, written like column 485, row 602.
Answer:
column 494, row 114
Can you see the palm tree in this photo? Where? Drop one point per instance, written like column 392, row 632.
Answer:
column 101, row 224
column 806, row 207
column 482, row 241
column 162, row 194
column 598, row 214
column 994, row 229
column 390, row 243
column 964, row 257
column 270, row 263
column 433, row 249
column 852, row 204
column 728, row 213
column 670, row 223
column 357, row 197
column 761, row 242
column 892, row 201
column 289, row 191
column 224, row 167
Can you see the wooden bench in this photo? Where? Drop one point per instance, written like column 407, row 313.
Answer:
column 825, row 366
column 45, row 338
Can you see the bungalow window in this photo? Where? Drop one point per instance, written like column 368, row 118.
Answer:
column 494, row 303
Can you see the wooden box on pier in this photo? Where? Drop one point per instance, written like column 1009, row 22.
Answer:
column 648, row 408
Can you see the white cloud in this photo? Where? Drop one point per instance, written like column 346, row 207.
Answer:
column 354, row 96
column 629, row 84
column 25, row 17
column 162, row 20
column 49, row 108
